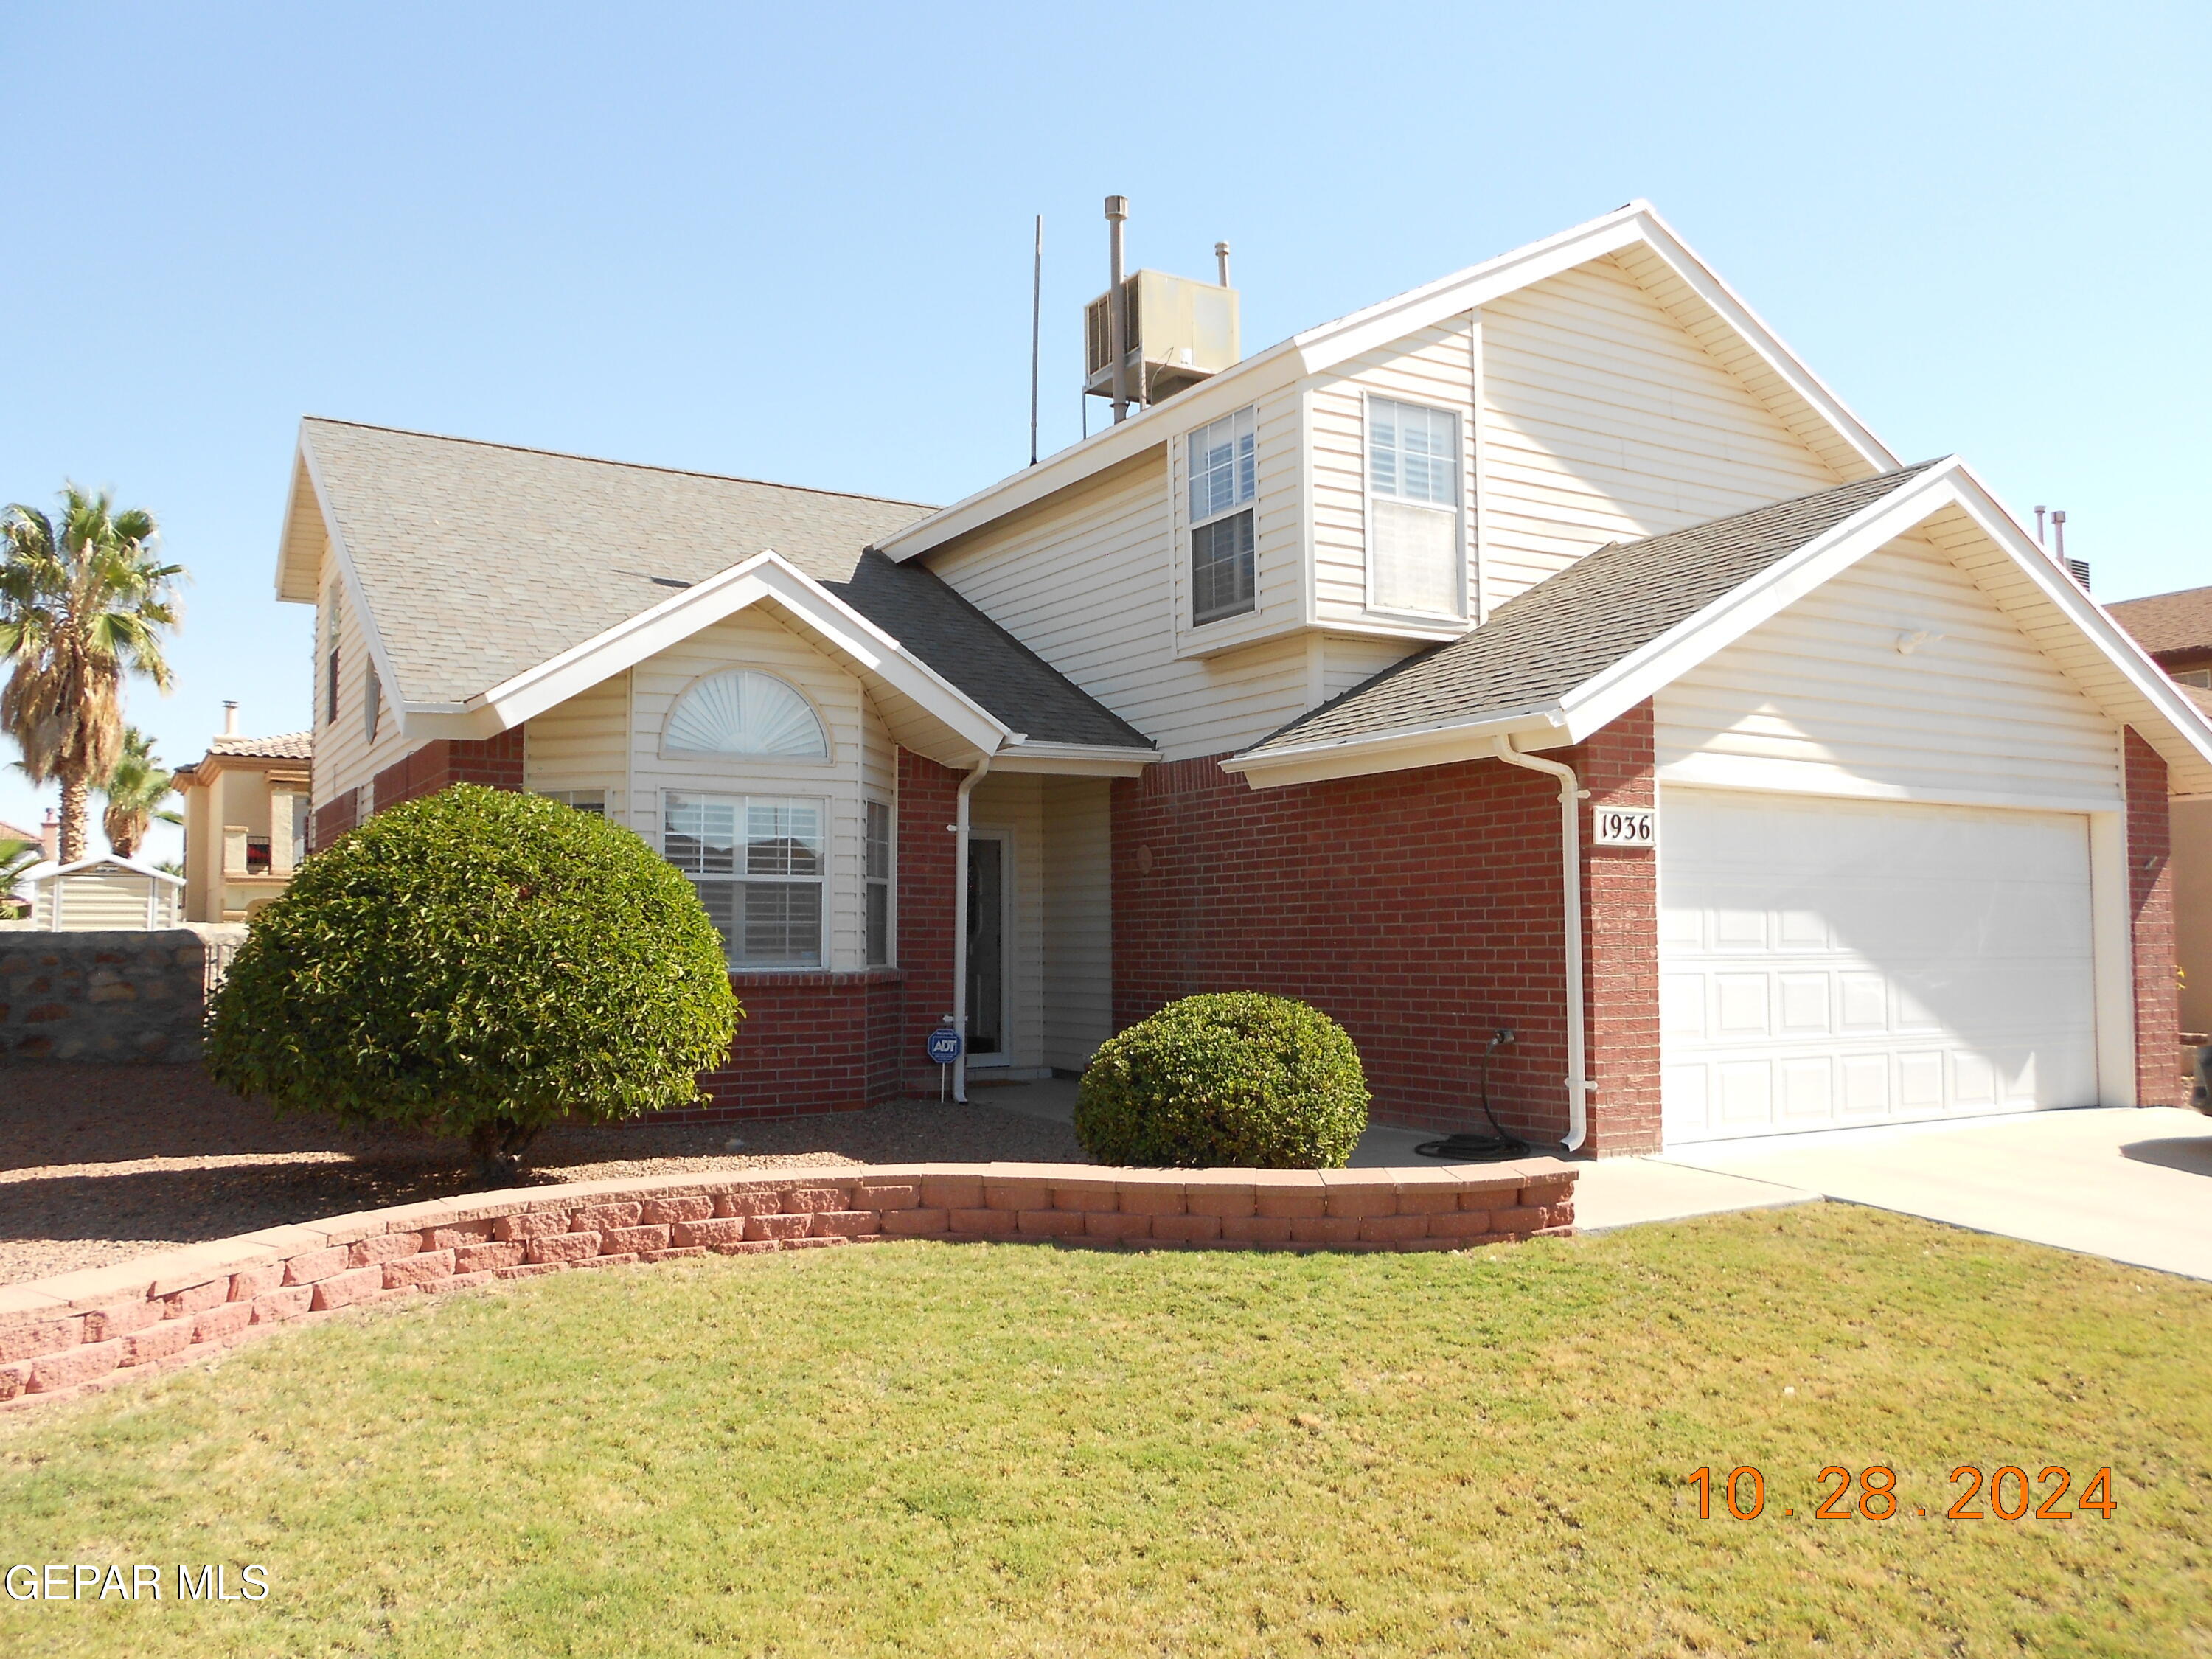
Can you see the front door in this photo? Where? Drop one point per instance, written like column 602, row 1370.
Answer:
column 987, row 948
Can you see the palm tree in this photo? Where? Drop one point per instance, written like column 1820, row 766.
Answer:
column 135, row 789
column 15, row 857
column 80, row 602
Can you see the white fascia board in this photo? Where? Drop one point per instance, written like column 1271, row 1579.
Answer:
column 1397, row 751
column 1610, row 693
column 767, row 575
column 1084, row 760
column 285, row 528
column 2181, row 712
column 379, row 659
column 1708, row 285
column 1149, row 428
column 1324, row 348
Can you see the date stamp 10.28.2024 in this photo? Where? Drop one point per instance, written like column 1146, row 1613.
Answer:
column 2005, row 1493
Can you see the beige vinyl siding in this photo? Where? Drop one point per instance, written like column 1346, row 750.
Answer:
column 754, row 638
column 1604, row 420
column 1013, row 805
column 344, row 758
column 1819, row 699
column 1435, row 367
column 1351, row 659
column 1078, row 917
column 1087, row 580
column 105, row 898
column 583, row 744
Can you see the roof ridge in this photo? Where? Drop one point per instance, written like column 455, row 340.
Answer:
column 604, row 461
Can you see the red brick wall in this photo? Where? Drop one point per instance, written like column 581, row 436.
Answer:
column 494, row 761
column 1620, row 965
column 2150, row 915
column 809, row 1042
column 926, row 911
column 1418, row 908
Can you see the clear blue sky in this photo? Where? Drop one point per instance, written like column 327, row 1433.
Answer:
column 794, row 243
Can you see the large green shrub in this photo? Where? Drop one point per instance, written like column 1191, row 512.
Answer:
column 1233, row 1079
column 477, row 963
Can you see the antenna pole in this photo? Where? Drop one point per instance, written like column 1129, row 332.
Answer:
column 1036, row 331
column 1221, row 261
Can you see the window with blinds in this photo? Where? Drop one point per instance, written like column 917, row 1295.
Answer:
column 1414, row 558
column 1223, row 482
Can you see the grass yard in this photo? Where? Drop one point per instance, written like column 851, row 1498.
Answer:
column 1019, row 1450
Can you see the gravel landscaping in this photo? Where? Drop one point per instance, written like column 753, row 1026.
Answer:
column 101, row 1163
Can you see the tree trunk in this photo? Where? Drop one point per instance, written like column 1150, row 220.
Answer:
column 499, row 1147
column 74, row 829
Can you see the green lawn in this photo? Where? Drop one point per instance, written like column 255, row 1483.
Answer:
column 1019, row 1450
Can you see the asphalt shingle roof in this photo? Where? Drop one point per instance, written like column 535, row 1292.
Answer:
column 1542, row 643
column 480, row 560
column 2168, row 622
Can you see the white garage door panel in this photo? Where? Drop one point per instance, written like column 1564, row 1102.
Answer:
column 1832, row 962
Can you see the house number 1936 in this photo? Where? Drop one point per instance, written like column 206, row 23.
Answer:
column 1626, row 826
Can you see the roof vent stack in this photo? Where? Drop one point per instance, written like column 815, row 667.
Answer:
column 2077, row 568
column 230, row 719
column 1152, row 335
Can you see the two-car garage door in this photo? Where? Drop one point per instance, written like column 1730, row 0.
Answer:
column 1826, row 963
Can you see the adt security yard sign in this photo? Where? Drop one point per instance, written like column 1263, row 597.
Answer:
column 943, row 1045
column 1624, row 826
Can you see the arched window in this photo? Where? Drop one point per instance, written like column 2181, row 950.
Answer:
column 743, row 713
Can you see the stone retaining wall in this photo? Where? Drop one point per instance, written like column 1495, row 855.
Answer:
column 84, row 1331
column 137, row 996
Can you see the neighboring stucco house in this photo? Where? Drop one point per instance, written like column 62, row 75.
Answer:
column 246, row 820
column 1334, row 676
column 2176, row 628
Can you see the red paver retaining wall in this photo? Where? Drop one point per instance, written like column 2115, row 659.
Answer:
column 83, row 1331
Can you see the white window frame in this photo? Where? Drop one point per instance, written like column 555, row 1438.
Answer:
column 593, row 801
column 1457, row 507
column 1241, row 503
column 878, row 887
column 739, row 879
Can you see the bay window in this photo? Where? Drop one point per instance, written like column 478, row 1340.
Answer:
column 758, row 862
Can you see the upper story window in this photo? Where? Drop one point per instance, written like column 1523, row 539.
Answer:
column 743, row 712
column 1223, row 480
column 330, row 661
column 1413, row 508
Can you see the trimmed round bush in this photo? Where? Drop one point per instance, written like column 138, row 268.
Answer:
column 477, row 963
column 1232, row 1079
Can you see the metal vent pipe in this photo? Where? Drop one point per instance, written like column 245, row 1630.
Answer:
column 1117, row 321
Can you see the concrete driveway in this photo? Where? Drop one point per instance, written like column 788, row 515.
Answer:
column 2134, row 1184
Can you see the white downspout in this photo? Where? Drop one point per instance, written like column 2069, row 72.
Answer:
column 959, row 828
column 1570, row 871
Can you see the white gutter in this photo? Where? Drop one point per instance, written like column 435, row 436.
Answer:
column 1570, row 872
column 959, row 828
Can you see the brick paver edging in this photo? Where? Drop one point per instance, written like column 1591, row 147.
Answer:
column 78, row 1333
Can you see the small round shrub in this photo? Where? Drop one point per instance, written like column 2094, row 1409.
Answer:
column 476, row 964
column 1235, row 1079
